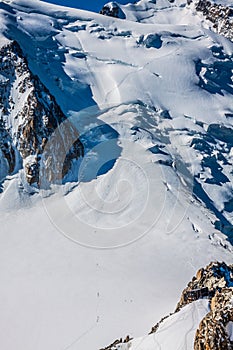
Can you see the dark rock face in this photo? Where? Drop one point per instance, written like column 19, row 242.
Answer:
column 29, row 115
column 7, row 150
column 113, row 10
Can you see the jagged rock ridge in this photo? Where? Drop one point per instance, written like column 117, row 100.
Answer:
column 221, row 17
column 214, row 283
column 212, row 332
column 29, row 115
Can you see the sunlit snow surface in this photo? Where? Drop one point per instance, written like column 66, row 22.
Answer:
column 176, row 332
column 109, row 254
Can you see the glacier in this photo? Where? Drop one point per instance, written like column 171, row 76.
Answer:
column 109, row 248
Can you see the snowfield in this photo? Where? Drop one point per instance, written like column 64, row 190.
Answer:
column 108, row 252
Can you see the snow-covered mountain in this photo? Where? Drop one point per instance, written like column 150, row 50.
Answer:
column 215, row 14
column 203, row 318
column 117, row 134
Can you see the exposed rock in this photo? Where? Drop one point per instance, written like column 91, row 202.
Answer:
column 112, row 9
column 7, row 148
column 155, row 328
column 29, row 115
column 221, row 17
column 212, row 333
column 207, row 282
column 215, row 283
column 113, row 346
column 32, row 171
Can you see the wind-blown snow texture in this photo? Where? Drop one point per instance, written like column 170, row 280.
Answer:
column 151, row 96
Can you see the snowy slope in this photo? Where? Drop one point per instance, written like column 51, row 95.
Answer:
column 183, row 71
column 214, row 15
column 176, row 332
column 145, row 206
column 161, row 11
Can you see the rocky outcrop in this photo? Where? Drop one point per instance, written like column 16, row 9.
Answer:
column 29, row 115
column 214, row 283
column 112, row 9
column 212, row 332
column 7, row 151
column 207, row 282
column 221, row 17
column 113, row 346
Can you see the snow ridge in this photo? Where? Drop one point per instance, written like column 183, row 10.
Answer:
column 208, row 296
